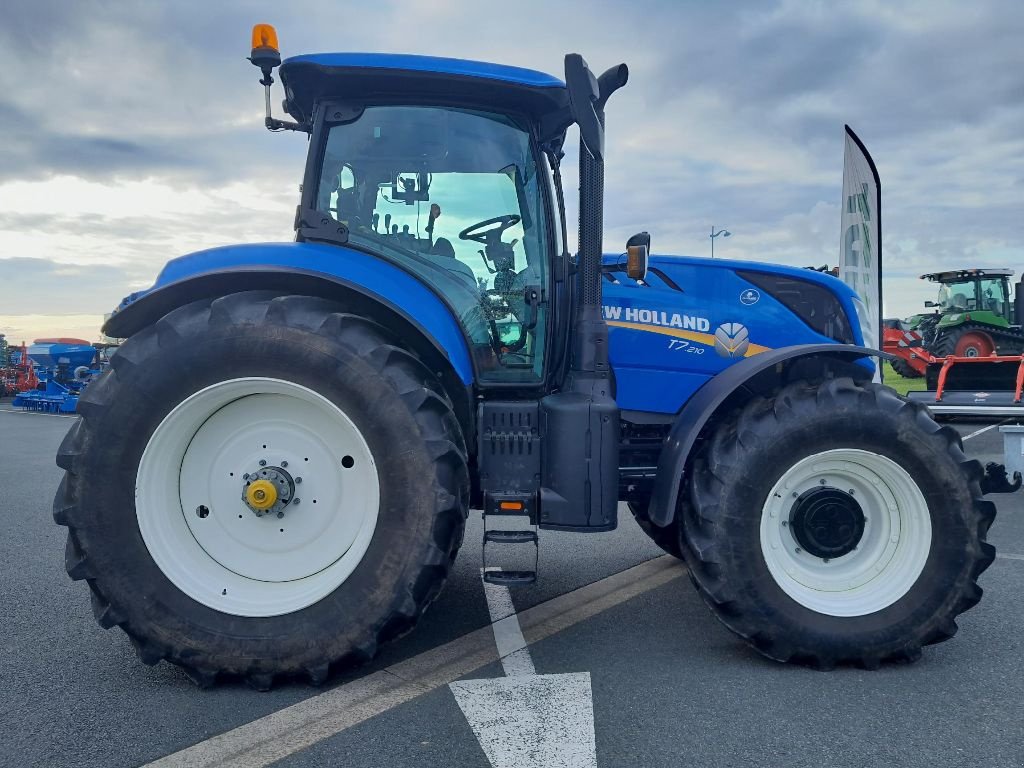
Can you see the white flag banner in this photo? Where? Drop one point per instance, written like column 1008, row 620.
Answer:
column 860, row 250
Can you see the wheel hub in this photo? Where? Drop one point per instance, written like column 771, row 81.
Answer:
column 268, row 490
column 827, row 522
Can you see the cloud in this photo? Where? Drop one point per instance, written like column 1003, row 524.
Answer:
column 133, row 131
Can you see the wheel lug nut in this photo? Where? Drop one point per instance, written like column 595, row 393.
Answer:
column 296, row 502
column 245, row 476
column 298, row 480
column 263, row 462
column 280, row 515
column 284, row 464
column 852, row 493
column 822, row 481
column 785, row 523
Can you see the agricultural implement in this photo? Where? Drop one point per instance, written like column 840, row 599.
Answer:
column 960, row 385
column 273, row 477
column 978, row 313
column 17, row 373
column 61, row 368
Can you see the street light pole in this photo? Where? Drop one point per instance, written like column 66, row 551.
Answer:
column 722, row 232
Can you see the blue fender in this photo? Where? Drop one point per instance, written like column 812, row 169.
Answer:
column 712, row 396
column 329, row 271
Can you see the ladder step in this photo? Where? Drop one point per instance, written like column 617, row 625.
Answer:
column 511, row 537
column 510, row 578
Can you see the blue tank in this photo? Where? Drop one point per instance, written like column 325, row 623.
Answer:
column 51, row 354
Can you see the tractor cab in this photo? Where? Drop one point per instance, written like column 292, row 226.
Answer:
column 444, row 168
column 976, row 314
column 974, row 290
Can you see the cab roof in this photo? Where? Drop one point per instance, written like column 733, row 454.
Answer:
column 406, row 78
column 965, row 274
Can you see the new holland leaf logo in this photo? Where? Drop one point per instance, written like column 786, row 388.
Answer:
column 731, row 340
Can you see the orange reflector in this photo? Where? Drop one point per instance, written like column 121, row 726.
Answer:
column 518, row 505
column 264, row 36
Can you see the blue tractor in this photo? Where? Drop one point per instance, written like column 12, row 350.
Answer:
column 273, row 477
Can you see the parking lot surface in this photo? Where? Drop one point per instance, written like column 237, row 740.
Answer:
column 669, row 685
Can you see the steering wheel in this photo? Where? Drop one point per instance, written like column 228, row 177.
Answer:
column 479, row 232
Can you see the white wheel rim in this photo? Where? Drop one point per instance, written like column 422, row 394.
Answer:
column 230, row 559
column 892, row 550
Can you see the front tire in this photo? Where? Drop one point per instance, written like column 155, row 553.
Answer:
column 837, row 523
column 904, row 369
column 161, row 518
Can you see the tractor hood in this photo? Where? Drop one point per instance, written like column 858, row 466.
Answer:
column 692, row 318
column 824, row 279
column 682, row 266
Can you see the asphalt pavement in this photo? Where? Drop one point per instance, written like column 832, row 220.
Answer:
column 670, row 685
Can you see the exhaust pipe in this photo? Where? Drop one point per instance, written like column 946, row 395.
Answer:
column 580, row 424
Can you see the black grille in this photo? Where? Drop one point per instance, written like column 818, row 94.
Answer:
column 816, row 305
column 509, row 447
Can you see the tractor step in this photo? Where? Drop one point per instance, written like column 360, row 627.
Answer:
column 511, row 537
column 517, row 566
column 510, row 578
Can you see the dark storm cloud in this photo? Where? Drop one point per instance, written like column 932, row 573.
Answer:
column 32, row 149
column 733, row 114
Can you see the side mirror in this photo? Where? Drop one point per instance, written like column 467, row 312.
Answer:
column 638, row 249
column 930, row 304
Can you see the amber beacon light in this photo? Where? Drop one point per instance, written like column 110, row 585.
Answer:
column 266, row 54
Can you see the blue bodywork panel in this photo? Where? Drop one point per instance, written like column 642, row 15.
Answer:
column 375, row 276
column 663, row 344
column 434, row 64
column 662, row 338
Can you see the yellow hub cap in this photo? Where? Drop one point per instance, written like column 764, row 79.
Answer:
column 261, row 494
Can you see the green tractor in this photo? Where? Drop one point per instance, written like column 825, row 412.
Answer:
column 975, row 315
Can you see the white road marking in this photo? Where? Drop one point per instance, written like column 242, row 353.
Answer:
column 526, row 720
column 292, row 729
column 1008, row 556
column 983, row 430
column 508, row 635
column 537, row 721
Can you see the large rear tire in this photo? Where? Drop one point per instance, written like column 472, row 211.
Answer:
column 837, row 523
column 965, row 341
column 204, row 418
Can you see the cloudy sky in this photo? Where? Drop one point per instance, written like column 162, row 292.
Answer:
column 131, row 131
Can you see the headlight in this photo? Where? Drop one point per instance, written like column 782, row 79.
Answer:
column 868, row 331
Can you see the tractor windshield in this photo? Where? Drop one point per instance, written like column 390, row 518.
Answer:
column 957, row 296
column 975, row 295
column 455, row 196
